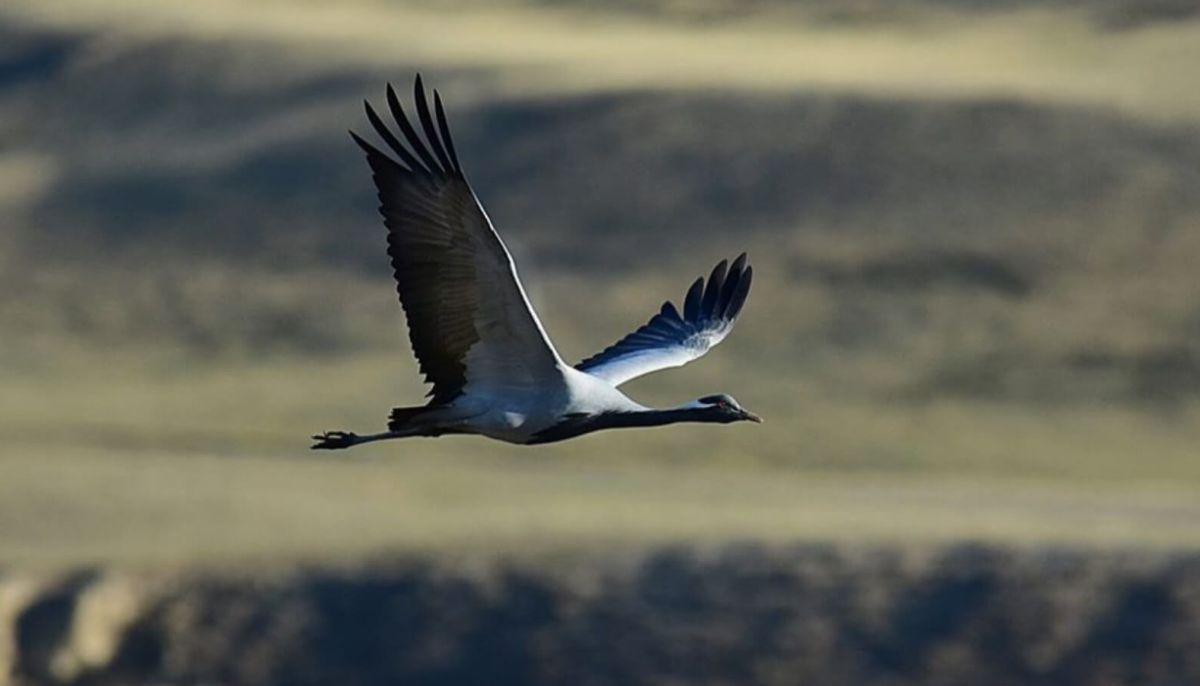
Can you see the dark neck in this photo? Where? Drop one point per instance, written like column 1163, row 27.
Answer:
column 614, row 420
column 587, row 423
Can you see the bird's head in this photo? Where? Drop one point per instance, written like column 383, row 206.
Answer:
column 725, row 409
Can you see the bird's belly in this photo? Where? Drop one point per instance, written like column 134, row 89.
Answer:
column 514, row 422
column 509, row 425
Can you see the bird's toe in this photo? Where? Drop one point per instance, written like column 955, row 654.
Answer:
column 333, row 440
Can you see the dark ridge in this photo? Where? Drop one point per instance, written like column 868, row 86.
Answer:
column 27, row 56
column 920, row 271
column 741, row 614
column 1110, row 14
column 44, row 627
column 655, row 166
column 1165, row 373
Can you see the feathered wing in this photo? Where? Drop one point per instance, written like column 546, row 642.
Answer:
column 671, row 339
column 469, row 320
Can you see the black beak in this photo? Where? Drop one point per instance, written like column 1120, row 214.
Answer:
column 750, row 416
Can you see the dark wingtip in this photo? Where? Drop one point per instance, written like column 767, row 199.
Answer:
column 418, row 91
column 668, row 310
column 444, row 127
column 366, row 147
column 739, row 263
column 712, row 290
column 388, row 137
column 429, row 165
column 740, row 292
column 393, row 102
column 732, row 278
column 691, row 301
column 427, row 125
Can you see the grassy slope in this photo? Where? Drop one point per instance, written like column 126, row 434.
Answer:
column 91, row 505
column 210, row 464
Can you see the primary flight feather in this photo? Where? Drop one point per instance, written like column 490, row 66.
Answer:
column 478, row 341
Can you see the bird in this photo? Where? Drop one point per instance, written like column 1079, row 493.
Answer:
column 492, row 368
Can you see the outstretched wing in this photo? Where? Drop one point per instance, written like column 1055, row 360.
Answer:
column 670, row 339
column 469, row 320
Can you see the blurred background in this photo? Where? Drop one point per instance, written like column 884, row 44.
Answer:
column 975, row 227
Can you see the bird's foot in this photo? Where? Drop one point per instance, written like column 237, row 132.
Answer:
column 334, row 440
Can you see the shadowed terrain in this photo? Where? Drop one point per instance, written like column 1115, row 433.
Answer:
column 741, row 614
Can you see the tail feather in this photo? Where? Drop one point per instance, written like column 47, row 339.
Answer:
column 401, row 417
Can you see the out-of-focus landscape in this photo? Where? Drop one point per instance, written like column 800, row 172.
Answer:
column 975, row 228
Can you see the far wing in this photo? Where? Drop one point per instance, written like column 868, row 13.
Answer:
column 671, row 339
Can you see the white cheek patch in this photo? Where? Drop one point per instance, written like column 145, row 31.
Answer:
column 514, row 419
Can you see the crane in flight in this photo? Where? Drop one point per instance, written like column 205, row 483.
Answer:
column 479, row 343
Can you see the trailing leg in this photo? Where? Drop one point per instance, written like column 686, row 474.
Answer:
column 336, row 440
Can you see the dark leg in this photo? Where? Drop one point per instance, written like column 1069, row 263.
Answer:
column 336, row 440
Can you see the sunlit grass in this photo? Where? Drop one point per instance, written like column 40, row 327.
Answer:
column 72, row 504
column 148, row 402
